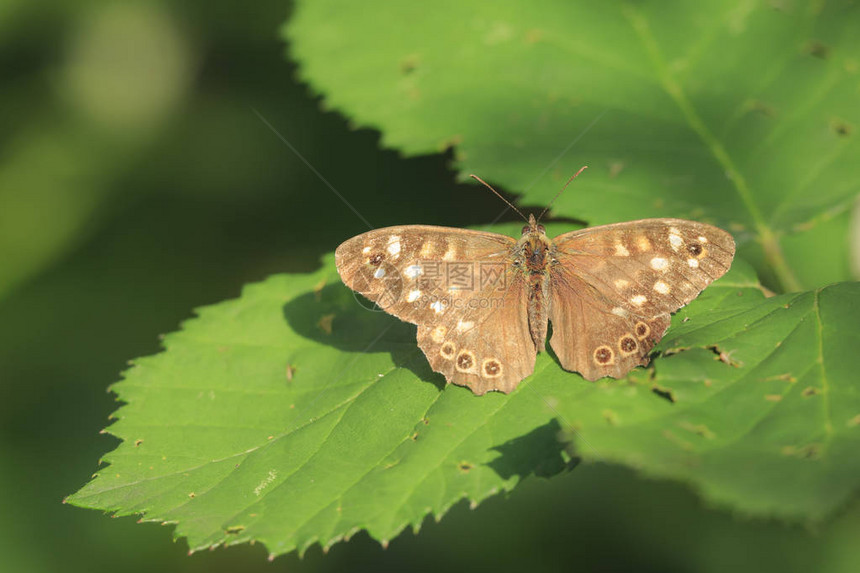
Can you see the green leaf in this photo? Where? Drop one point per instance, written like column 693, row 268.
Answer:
column 765, row 408
column 257, row 424
column 292, row 415
column 739, row 112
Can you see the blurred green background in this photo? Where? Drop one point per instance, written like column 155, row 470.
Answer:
column 136, row 183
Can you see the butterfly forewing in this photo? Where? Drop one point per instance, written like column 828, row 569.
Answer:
column 614, row 287
column 459, row 287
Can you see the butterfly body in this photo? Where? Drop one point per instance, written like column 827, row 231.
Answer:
column 483, row 301
column 534, row 254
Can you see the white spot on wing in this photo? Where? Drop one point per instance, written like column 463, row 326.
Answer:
column 464, row 325
column 621, row 250
column 618, row 311
column 694, row 264
column 437, row 306
column 379, row 273
column 661, row 287
column 639, row 300
column 703, row 239
column 413, row 271
column 675, row 238
column 449, row 254
column 438, row 334
column 427, row 250
column 659, row 264
column 394, row 248
column 365, row 250
column 621, row 283
column 413, row 295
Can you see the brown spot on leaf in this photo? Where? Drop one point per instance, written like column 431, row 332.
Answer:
column 773, row 397
column 137, row 442
column 533, row 36
column 699, row 429
column 809, row 451
column 324, row 323
column 615, row 167
column 760, row 107
column 318, row 288
column 841, row 128
column 787, row 377
column 409, row 64
column 234, row 529
column 611, row 417
column 291, row 371
column 810, row 391
column 681, row 443
column 817, row 49
column 464, row 467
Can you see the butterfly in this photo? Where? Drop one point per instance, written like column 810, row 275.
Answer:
column 482, row 301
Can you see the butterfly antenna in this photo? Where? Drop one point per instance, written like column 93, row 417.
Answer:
column 499, row 195
column 569, row 181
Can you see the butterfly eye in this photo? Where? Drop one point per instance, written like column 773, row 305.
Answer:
column 526, row 229
column 541, row 229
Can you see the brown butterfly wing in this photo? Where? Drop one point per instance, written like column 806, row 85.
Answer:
column 458, row 286
column 614, row 287
column 486, row 345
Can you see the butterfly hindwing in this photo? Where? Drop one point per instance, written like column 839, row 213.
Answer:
column 614, row 287
column 484, row 344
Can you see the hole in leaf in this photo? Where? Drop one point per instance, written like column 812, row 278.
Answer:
column 664, row 393
column 725, row 357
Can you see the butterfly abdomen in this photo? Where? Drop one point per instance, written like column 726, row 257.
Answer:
column 538, row 308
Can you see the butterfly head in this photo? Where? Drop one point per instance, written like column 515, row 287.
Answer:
column 533, row 227
column 534, row 250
